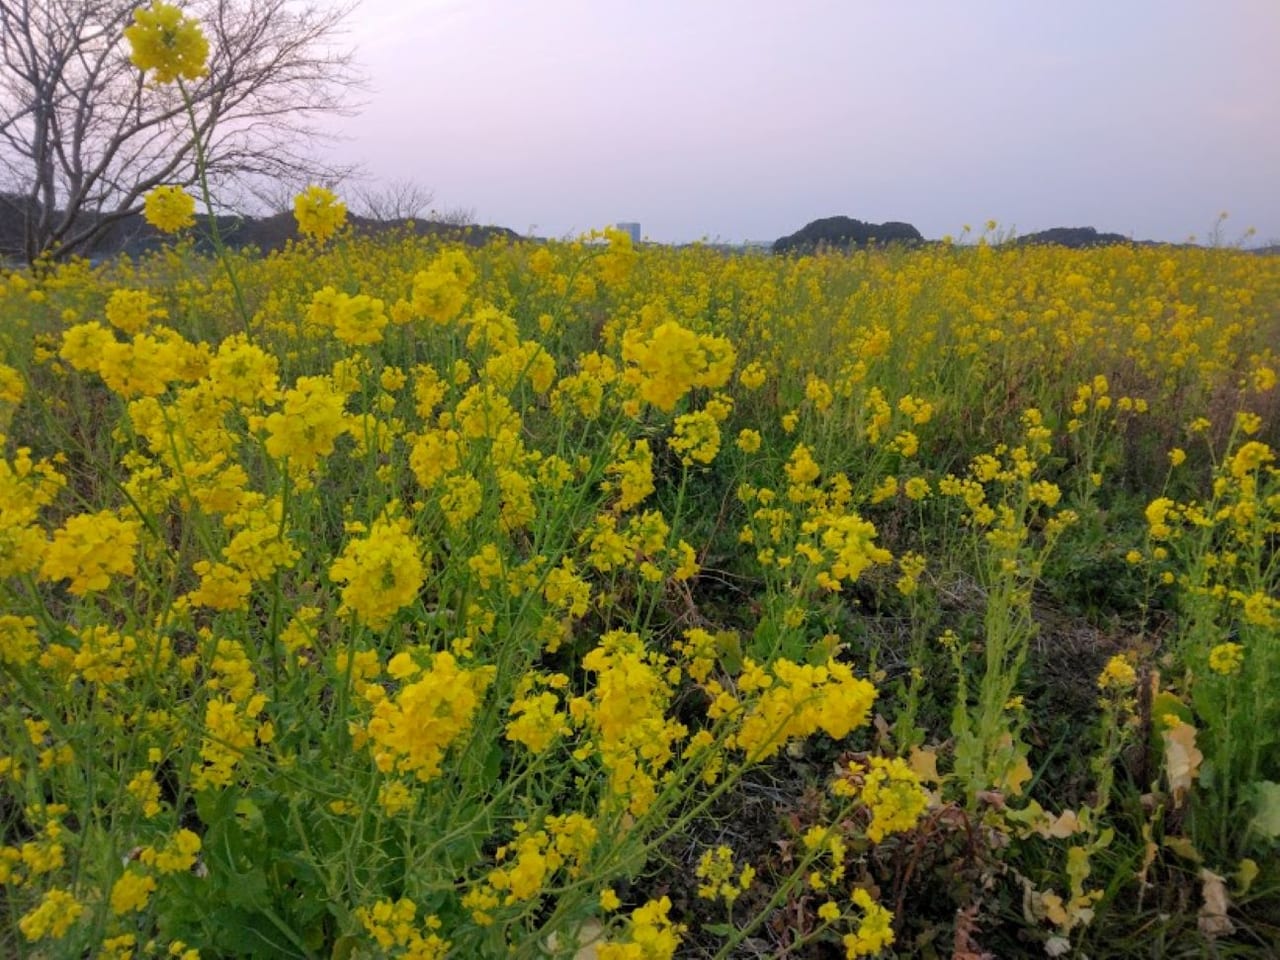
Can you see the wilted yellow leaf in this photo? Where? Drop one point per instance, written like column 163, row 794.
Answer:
column 1246, row 873
column 1149, row 852
column 1181, row 759
column 1064, row 825
column 1054, row 909
column 1016, row 776
column 924, row 764
column 1183, row 848
column 1077, row 868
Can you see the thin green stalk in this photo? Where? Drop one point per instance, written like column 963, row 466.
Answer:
column 202, row 172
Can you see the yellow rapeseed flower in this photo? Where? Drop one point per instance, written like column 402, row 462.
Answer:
column 382, row 572
column 893, row 794
column 875, row 931
column 1226, row 658
column 131, row 892
column 673, row 360
column 53, row 917
column 1118, row 674
column 538, row 721
column 916, row 488
column 749, row 440
column 319, row 213
column 717, row 871
column 169, row 209
column 12, row 387
column 410, row 732
column 309, row 424
column 167, row 42
column 696, row 438
column 651, row 935
column 132, row 310
column 1250, row 457
column 89, row 549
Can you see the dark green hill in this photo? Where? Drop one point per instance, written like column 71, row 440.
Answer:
column 845, row 232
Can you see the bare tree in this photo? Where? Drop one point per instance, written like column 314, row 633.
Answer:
column 83, row 136
column 455, row 216
column 397, row 200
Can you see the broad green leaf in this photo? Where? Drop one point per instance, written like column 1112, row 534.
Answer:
column 1266, row 805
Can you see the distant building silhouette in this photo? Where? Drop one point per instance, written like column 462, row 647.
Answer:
column 630, row 229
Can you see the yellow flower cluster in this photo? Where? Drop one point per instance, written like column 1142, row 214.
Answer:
column 169, row 209
column 439, row 292
column 625, row 714
column 633, row 469
column 696, row 438
column 26, row 487
column 18, row 640
column 168, row 43
column 132, row 311
column 410, row 730
column 439, row 513
column 231, row 729
column 393, row 927
column 821, row 843
column 56, row 913
column 132, row 892
column 720, row 876
column 651, row 935
column 382, row 572
column 534, row 857
column 355, row 320
column 319, row 213
column 308, row 425
column 891, row 792
column 875, row 929
column 89, row 549
column 538, row 720
column 1118, row 674
column 1226, row 658
column 12, row 389
column 671, row 360
column 790, row 701
column 813, row 533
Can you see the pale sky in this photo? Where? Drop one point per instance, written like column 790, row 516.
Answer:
column 744, row 120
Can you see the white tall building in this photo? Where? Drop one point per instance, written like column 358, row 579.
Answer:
column 630, row 229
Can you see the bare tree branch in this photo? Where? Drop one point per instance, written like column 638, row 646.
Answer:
column 455, row 216
column 397, row 200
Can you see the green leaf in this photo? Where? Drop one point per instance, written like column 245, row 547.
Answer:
column 248, row 889
column 492, row 763
column 239, row 933
column 1266, row 805
column 215, row 806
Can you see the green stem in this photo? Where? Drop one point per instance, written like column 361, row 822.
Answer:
column 784, row 890
column 214, row 232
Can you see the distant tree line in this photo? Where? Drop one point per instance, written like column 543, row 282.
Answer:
column 130, row 234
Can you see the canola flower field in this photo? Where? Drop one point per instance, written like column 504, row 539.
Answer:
column 384, row 597
column 440, row 603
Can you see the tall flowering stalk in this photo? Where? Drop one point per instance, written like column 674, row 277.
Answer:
column 173, row 48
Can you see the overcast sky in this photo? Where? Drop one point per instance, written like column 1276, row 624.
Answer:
column 745, row 120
